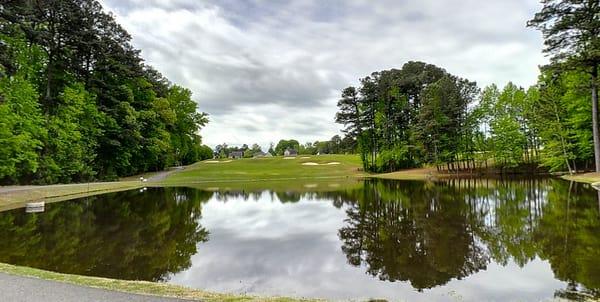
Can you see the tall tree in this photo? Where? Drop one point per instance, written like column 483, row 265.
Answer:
column 571, row 29
column 68, row 66
column 349, row 112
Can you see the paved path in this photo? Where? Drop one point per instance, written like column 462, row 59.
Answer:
column 25, row 289
column 163, row 174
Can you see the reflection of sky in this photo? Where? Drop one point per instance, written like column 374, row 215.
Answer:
column 265, row 247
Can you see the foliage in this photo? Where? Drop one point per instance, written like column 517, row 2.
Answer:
column 283, row 145
column 571, row 30
column 79, row 103
column 445, row 119
column 421, row 108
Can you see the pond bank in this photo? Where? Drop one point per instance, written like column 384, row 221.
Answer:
column 590, row 178
column 135, row 287
column 16, row 196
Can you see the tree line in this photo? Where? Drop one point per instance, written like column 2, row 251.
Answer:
column 336, row 145
column 78, row 103
column 421, row 114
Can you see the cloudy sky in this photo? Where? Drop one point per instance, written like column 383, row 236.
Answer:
column 267, row 70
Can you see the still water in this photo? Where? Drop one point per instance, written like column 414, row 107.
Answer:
column 456, row 240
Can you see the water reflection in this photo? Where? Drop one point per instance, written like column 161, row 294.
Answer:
column 413, row 232
column 484, row 239
column 430, row 234
column 128, row 235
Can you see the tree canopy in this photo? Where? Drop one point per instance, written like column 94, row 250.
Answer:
column 78, row 101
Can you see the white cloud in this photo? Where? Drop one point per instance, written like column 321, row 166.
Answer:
column 267, row 70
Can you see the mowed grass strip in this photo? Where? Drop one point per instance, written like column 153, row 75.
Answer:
column 268, row 169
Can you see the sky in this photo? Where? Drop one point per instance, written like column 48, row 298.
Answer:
column 266, row 70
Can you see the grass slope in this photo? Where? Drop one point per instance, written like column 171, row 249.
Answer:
column 312, row 168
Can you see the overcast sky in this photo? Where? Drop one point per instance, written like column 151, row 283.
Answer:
column 267, row 70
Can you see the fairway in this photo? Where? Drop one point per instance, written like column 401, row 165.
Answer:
column 269, row 169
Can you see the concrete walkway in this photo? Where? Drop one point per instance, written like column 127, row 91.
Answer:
column 25, row 289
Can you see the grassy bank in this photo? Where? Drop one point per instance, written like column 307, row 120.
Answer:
column 137, row 287
column 584, row 177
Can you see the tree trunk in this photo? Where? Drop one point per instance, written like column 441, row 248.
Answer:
column 595, row 118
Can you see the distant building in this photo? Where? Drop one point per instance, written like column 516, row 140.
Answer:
column 290, row 152
column 236, row 154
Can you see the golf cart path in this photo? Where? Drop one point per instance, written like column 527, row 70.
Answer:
column 163, row 174
column 26, row 289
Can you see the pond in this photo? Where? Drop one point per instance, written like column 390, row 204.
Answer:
column 467, row 240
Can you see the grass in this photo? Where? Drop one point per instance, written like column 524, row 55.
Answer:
column 268, row 169
column 138, row 287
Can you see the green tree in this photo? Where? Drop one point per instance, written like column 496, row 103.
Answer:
column 21, row 130
column 283, row 145
column 571, row 30
column 107, row 114
column 349, row 112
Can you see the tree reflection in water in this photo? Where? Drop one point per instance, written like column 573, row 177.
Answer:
column 127, row 235
column 431, row 233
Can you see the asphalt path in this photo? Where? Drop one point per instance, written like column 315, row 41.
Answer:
column 26, row 289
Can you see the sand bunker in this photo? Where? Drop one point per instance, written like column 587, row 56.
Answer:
column 217, row 162
column 317, row 164
column 304, row 157
column 289, row 158
column 310, row 186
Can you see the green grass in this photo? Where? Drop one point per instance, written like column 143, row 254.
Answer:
column 268, row 169
column 137, row 287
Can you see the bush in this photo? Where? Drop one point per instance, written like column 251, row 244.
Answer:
column 394, row 159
